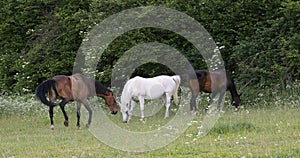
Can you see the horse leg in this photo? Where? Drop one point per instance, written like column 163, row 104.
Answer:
column 132, row 106
column 51, row 117
column 194, row 87
column 222, row 94
column 142, row 107
column 52, row 98
column 193, row 106
column 78, row 114
column 62, row 107
column 168, row 98
column 88, row 108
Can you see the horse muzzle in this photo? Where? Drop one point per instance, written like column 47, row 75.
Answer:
column 114, row 112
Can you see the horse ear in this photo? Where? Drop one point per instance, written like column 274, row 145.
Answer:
column 240, row 94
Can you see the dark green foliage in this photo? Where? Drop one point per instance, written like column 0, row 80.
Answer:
column 270, row 54
column 260, row 40
column 38, row 40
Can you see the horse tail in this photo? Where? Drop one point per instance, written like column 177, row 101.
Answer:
column 177, row 80
column 43, row 89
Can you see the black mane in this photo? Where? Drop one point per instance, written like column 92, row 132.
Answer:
column 100, row 88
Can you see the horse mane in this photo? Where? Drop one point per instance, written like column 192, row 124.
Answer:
column 100, row 88
column 200, row 73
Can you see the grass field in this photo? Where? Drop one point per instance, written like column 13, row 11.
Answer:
column 269, row 129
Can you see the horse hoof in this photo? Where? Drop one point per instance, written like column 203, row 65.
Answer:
column 207, row 108
column 87, row 126
column 66, row 123
column 52, row 127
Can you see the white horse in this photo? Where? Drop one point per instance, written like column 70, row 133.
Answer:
column 139, row 88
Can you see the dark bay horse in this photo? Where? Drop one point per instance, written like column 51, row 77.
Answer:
column 74, row 88
column 203, row 83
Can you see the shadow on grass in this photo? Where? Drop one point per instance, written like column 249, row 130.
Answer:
column 232, row 128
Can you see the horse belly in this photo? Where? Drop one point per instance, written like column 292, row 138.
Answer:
column 155, row 91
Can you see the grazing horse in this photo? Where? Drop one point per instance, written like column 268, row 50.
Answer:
column 203, row 83
column 139, row 88
column 74, row 88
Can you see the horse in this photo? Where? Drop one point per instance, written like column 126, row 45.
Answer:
column 77, row 88
column 139, row 89
column 203, row 83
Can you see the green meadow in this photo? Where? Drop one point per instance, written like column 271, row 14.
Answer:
column 257, row 41
column 264, row 127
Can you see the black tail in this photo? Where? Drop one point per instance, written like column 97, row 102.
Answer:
column 42, row 89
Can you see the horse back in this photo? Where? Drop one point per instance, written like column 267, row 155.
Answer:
column 139, row 86
column 136, row 86
column 211, row 81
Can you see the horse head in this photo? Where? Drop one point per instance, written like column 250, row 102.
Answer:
column 236, row 101
column 110, row 101
column 124, row 111
column 125, row 116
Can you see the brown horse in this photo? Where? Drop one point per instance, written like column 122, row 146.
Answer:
column 203, row 83
column 74, row 88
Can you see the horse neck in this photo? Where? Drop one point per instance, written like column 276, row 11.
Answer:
column 100, row 89
column 126, row 95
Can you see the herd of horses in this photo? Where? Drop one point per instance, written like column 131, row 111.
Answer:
column 79, row 88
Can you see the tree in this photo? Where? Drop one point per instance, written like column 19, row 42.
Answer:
column 40, row 39
column 271, row 55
